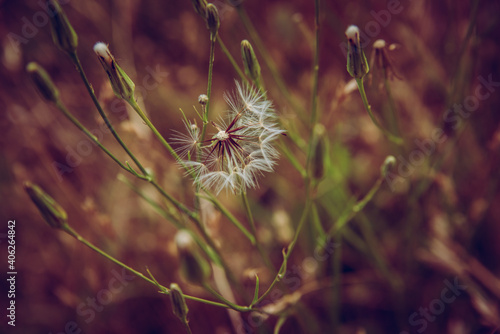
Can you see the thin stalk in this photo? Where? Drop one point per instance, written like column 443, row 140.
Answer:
column 94, row 139
column 337, row 279
column 209, row 87
column 78, row 237
column 225, row 301
column 390, row 136
column 357, row 207
column 291, row 246
column 393, row 121
column 76, row 61
column 158, row 135
column 314, row 107
column 230, row 216
column 267, row 59
column 248, row 211
column 231, row 59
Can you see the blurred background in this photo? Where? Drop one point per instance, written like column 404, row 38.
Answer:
column 433, row 224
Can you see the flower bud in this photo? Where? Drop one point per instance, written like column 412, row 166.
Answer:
column 43, row 83
column 213, row 21
column 250, row 62
column 51, row 211
column 389, row 162
column 203, row 99
column 200, row 7
column 194, row 267
column 63, row 34
column 122, row 85
column 179, row 305
column 357, row 65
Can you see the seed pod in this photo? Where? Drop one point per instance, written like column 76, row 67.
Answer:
column 179, row 305
column 51, row 211
column 123, row 86
column 357, row 65
column 42, row 82
column 213, row 21
column 203, row 99
column 380, row 59
column 63, row 34
column 250, row 62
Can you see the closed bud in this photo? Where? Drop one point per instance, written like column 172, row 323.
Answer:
column 194, row 267
column 389, row 162
column 123, row 86
column 51, row 211
column 318, row 160
column 63, row 34
column 179, row 305
column 250, row 62
column 203, row 99
column 357, row 65
column 42, row 82
column 213, row 21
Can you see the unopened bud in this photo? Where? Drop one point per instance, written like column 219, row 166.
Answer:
column 51, row 211
column 179, row 305
column 203, row 99
column 200, row 6
column 42, row 82
column 63, row 34
column 213, row 21
column 250, row 62
column 357, row 65
column 389, row 162
column 194, row 267
column 123, row 86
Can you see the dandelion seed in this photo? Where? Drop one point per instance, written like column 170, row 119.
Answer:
column 240, row 150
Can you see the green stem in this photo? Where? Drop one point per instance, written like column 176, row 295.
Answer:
column 390, row 136
column 314, row 112
column 78, row 237
column 392, row 118
column 267, row 59
column 291, row 246
column 76, row 61
column 209, row 87
column 225, row 301
column 248, row 211
column 231, row 59
column 230, row 216
column 357, row 207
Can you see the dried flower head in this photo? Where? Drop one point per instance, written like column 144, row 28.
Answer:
column 241, row 148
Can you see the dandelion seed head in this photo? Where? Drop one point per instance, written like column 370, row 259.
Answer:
column 240, row 151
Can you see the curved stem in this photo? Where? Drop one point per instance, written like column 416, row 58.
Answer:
column 390, row 136
column 76, row 61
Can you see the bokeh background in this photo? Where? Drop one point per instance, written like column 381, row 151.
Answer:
column 437, row 223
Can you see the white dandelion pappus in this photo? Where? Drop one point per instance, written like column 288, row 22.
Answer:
column 242, row 148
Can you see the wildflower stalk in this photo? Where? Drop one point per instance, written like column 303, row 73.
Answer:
column 359, row 205
column 76, row 61
column 267, row 59
column 84, row 241
column 395, row 139
column 288, row 251
column 248, row 211
column 393, row 123
column 231, row 59
column 227, row 302
column 229, row 215
column 314, row 107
